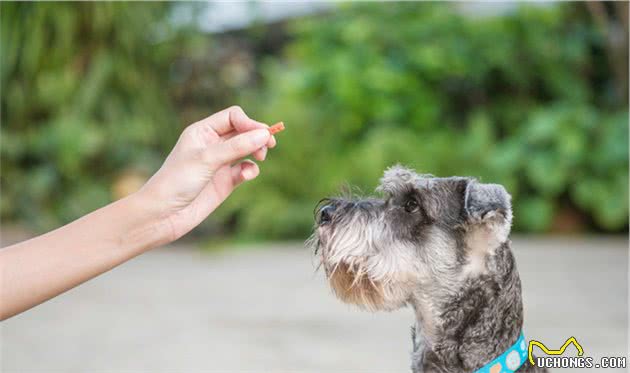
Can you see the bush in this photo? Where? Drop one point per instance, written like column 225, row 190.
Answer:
column 92, row 92
column 525, row 100
column 83, row 100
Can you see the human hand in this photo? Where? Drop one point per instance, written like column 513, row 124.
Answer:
column 203, row 169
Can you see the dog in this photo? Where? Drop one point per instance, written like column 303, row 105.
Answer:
column 440, row 246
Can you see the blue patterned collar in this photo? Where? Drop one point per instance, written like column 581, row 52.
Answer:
column 509, row 362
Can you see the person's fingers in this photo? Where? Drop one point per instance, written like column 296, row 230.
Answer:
column 244, row 171
column 270, row 144
column 230, row 119
column 237, row 147
column 260, row 154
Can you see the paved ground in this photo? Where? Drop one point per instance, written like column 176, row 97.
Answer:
column 264, row 310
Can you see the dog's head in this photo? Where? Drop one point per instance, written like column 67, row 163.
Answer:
column 423, row 233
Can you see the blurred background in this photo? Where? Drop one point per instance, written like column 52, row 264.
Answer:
column 94, row 95
column 534, row 97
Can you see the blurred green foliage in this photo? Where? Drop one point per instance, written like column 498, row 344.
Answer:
column 93, row 92
column 83, row 89
column 523, row 99
column 527, row 99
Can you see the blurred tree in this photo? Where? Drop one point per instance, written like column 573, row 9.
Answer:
column 526, row 99
column 611, row 18
column 94, row 95
column 84, row 100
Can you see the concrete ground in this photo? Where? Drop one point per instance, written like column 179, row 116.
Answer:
column 265, row 310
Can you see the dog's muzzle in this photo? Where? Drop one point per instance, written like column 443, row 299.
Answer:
column 324, row 211
column 331, row 210
column 325, row 214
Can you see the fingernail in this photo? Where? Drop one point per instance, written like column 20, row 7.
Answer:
column 260, row 137
column 264, row 152
column 248, row 174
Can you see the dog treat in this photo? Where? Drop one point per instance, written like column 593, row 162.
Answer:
column 278, row 127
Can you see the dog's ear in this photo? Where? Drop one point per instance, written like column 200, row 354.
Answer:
column 488, row 206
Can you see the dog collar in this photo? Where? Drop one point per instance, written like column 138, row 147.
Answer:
column 509, row 362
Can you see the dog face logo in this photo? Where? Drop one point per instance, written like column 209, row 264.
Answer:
column 560, row 351
column 423, row 233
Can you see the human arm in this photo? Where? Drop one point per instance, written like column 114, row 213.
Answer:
column 197, row 176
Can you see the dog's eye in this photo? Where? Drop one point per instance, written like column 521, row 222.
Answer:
column 412, row 206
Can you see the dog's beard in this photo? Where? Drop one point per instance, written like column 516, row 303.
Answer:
column 364, row 265
column 357, row 288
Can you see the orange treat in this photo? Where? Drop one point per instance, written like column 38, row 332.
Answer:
column 278, row 127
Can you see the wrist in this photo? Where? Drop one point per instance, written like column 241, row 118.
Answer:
column 149, row 227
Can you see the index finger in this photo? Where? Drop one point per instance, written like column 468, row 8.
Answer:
column 232, row 119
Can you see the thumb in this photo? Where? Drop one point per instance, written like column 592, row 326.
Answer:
column 239, row 146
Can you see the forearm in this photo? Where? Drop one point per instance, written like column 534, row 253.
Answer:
column 203, row 169
column 36, row 270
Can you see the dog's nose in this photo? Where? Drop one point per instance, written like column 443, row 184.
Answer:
column 325, row 214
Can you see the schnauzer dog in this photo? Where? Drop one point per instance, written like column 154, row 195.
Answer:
column 439, row 245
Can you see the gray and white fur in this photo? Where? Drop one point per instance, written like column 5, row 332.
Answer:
column 438, row 245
